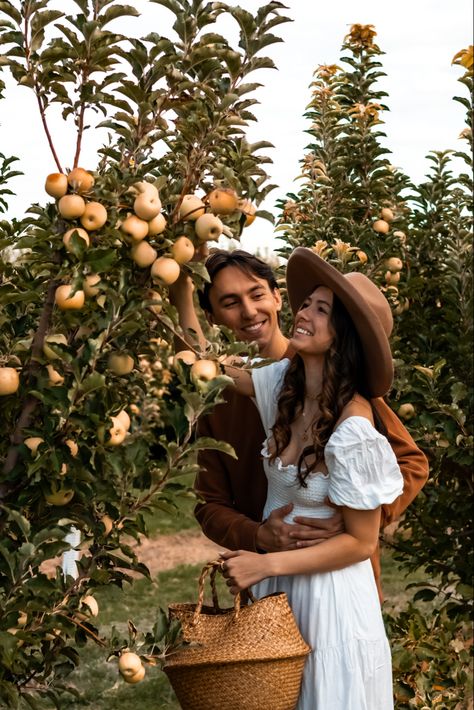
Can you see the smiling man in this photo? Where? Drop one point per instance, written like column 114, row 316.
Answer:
column 243, row 296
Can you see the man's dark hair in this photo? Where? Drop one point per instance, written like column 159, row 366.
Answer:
column 248, row 263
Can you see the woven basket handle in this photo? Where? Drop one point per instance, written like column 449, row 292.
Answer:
column 213, row 568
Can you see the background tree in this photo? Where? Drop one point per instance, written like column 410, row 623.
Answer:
column 97, row 424
column 359, row 212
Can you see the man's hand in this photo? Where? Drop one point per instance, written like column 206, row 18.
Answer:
column 275, row 535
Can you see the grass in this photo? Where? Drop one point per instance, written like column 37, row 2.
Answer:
column 97, row 680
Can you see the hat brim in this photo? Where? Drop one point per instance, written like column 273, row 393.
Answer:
column 305, row 271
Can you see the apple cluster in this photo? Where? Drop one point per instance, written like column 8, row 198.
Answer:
column 202, row 215
column 70, row 192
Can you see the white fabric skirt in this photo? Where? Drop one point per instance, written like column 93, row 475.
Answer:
column 339, row 615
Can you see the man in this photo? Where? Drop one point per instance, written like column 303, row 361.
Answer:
column 243, row 296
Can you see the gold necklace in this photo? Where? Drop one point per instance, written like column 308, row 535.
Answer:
column 304, row 435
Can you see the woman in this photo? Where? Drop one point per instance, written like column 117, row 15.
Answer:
column 322, row 445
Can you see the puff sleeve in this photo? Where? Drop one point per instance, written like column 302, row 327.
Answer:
column 267, row 382
column 363, row 470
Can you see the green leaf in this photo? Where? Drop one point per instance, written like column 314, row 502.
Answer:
column 94, row 381
column 115, row 11
column 9, row 9
column 19, row 519
column 208, row 443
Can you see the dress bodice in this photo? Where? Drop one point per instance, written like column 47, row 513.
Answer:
column 283, row 488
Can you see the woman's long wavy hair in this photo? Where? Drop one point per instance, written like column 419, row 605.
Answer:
column 342, row 378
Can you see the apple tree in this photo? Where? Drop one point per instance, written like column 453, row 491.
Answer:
column 359, row 212
column 98, row 416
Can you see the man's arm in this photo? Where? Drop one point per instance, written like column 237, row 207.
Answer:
column 412, row 461
column 233, row 495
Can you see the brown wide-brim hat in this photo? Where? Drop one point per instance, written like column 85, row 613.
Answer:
column 363, row 300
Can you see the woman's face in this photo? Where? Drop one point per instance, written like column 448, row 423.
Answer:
column 312, row 332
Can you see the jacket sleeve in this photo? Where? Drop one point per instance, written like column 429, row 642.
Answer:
column 412, row 461
column 216, row 512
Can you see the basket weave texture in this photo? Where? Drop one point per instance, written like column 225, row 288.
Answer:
column 248, row 658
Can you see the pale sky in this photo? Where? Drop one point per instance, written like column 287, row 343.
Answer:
column 419, row 38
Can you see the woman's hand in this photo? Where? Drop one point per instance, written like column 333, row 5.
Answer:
column 242, row 569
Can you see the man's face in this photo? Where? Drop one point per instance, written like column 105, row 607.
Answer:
column 246, row 304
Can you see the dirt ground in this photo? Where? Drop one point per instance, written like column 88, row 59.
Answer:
column 184, row 548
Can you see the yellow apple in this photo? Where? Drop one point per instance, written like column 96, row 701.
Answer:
column 136, row 677
column 9, row 380
column 145, row 187
column 381, row 226
column 89, row 285
column 54, row 377
column 94, row 216
column 182, row 250
column 204, row 370
column 394, row 263
column 154, row 296
column 362, row 256
column 57, row 338
column 80, row 180
column 129, row 663
column 32, row 442
column 123, row 417
column 400, row 235
column 71, row 206
column 134, row 228
column 392, row 277
column 147, row 206
column 107, row 522
column 72, row 446
column 186, row 356
column 56, row 185
column 406, row 411
column 117, row 433
column 90, row 602
column 191, row 208
column 59, row 496
column 120, row 363
column 249, row 210
column 387, row 214
column 157, row 225
column 80, row 233
column 165, row 270
column 223, row 200
column 65, row 301
column 143, row 254
column 208, row 228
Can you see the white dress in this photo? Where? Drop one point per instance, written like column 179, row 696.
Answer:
column 337, row 612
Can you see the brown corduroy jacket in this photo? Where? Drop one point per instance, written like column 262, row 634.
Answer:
column 234, row 491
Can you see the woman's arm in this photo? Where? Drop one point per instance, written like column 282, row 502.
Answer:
column 242, row 569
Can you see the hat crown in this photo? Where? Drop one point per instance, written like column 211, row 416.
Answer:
column 373, row 297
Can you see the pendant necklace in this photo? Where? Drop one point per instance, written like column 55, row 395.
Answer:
column 311, row 398
column 304, row 435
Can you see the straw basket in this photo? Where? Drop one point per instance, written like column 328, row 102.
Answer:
column 245, row 658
